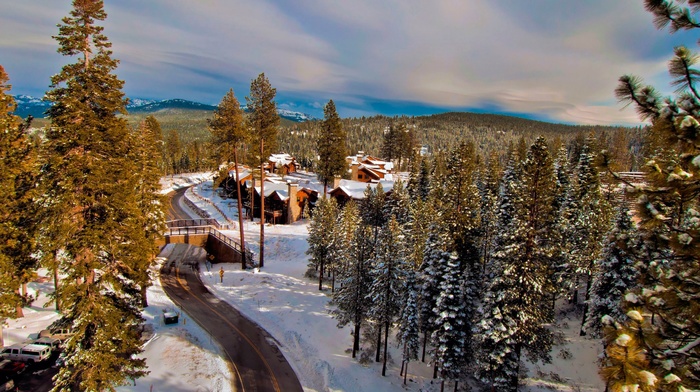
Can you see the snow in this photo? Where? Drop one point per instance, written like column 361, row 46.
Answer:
column 291, row 308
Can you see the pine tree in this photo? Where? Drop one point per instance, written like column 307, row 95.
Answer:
column 349, row 299
column 452, row 333
column 489, row 179
column 388, row 270
column 91, row 210
column 435, row 258
column 331, row 146
column 668, row 211
column 321, row 234
column 408, row 334
column 229, row 130
column 146, row 186
column 340, row 260
column 397, row 204
column 18, row 227
column 616, row 273
column 264, row 121
column 590, row 222
column 520, row 288
column 173, row 148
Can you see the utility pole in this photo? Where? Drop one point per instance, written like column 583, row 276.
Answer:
column 262, row 204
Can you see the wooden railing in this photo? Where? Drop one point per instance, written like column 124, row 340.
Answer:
column 205, row 226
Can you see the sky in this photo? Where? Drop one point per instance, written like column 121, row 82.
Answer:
column 551, row 60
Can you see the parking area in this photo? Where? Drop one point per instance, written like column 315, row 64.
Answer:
column 36, row 377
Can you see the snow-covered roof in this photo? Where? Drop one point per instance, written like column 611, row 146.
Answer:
column 243, row 172
column 282, row 159
column 356, row 189
column 281, row 189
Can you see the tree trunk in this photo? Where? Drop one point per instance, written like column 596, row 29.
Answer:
column 514, row 381
column 262, row 205
column 333, row 280
column 585, row 305
column 356, row 340
column 405, row 373
column 574, row 299
column 442, row 385
column 18, row 310
column 2, row 336
column 435, row 368
column 24, row 289
column 252, row 200
column 456, row 384
column 379, row 344
column 144, row 296
column 55, row 283
column 240, row 207
column 320, row 277
column 425, row 343
column 386, row 340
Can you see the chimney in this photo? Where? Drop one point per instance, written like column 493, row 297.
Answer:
column 293, row 207
column 354, row 168
column 336, row 182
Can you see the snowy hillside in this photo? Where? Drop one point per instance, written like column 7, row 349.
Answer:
column 28, row 105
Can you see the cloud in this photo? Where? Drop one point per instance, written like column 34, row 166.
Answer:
column 555, row 60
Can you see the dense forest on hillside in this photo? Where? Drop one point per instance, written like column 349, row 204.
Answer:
column 443, row 132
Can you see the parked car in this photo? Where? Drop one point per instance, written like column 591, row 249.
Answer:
column 11, row 368
column 53, row 344
column 26, row 352
column 57, row 333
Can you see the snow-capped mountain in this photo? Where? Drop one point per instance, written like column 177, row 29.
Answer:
column 36, row 107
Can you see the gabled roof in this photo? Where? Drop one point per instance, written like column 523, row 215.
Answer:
column 356, row 189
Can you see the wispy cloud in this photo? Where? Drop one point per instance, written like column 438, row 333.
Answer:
column 554, row 60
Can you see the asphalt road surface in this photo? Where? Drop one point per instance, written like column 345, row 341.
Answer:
column 257, row 363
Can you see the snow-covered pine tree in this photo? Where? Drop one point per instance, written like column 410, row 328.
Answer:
column 372, row 208
column 563, row 271
column 349, row 300
column 590, row 222
column 91, row 211
column 424, row 180
column 431, row 272
column 520, row 288
column 397, row 203
column 452, row 333
column 408, row 335
column 615, row 275
column 387, row 288
column 343, row 235
column 321, row 234
column 669, row 212
column 489, row 182
column 18, row 164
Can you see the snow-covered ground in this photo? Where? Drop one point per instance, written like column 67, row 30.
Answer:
column 183, row 358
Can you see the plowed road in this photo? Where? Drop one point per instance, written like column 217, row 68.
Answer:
column 254, row 355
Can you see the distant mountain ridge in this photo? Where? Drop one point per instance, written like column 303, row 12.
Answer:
column 36, row 107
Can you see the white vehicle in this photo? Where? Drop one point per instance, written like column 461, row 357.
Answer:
column 26, row 352
column 53, row 344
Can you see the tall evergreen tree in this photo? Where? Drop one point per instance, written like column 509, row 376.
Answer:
column 350, row 298
column 520, row 289
column 452, row 333
column 145, row 146
column 386, row 290
column 18, row 227
column 616, row 273
column 669, row 299
column 331, row 146
column 264, row 121
column 90, row 207
column 408, row 334
column 321, row 234
column 590, row 222
column 229, row 130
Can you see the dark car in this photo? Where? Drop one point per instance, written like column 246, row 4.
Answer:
column 11, row 368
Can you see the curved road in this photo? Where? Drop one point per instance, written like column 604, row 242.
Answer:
column 256, row 360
